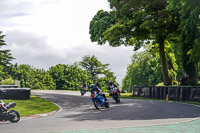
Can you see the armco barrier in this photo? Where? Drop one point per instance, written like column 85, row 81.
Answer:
column 177, row 93
column 15, row 93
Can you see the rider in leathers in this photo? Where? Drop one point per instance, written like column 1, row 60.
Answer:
column 111, row 85
column 2, row 107
column 98, row 89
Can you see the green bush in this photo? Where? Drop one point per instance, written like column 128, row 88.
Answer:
column 36, row 86
column 8, row 81
column 160, row 84
column 198, row 83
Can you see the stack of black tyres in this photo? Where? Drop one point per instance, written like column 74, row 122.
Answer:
column 12, row 92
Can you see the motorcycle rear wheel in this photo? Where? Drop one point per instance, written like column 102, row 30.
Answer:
column 14, row 116
column 107, row 104
column 117, row 98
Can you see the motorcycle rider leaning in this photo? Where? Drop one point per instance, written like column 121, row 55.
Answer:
column 2, row 107
column 98, row 89
column 111, row 85
column 98, row 85
column 84, row 87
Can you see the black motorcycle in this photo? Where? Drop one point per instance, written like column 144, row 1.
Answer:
column 84, row 89
column 8, row 115
column 83, row 92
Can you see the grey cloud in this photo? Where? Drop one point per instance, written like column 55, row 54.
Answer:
column 10, row 8
column 117, row 57
column 29, row 48
column 16, row 8
column 32, row 49
column 25, row 39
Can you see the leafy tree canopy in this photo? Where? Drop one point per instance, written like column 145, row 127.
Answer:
column 189, row 11
column 93, row 66
column 97, row 71
column 136, row 23
column 5, row 55
column 68, row 77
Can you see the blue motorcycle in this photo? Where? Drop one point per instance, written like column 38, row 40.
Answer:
column 98, row 100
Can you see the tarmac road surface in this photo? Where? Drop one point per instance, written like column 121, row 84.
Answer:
column 78, row 113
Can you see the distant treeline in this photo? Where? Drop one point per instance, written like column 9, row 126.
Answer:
column 59, row 77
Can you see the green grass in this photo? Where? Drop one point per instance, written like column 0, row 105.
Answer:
column 35, row 105
column 188, row 102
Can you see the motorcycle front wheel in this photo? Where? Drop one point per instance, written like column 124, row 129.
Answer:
column 97, row 104
column 82, row 92
column 14, row 116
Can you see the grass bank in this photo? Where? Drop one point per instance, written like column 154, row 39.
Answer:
column 35, row 105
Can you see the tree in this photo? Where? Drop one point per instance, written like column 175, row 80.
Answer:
column 144, row 69
column 136, row 23
column 68, row 77
column 31, row 77
column 93, row 66
column 1, row 72
column 189, row 11
column 9, row 81
column 5, row 55
column 97, row 71
column 24, row 74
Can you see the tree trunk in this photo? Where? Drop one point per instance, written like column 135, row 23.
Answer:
column 165, row 74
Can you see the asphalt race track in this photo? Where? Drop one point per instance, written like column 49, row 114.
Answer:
column 78, row 113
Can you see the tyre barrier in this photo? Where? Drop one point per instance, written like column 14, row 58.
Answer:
column 176, row 93
column 8, row 86
column 15, row 93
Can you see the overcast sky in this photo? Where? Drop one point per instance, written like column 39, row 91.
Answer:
column 43, row 33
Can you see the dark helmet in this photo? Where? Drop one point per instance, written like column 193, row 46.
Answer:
column 97, row 84
column 110, row 82
column 92, row 86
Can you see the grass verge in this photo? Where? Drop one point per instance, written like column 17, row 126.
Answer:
column 35, row 105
